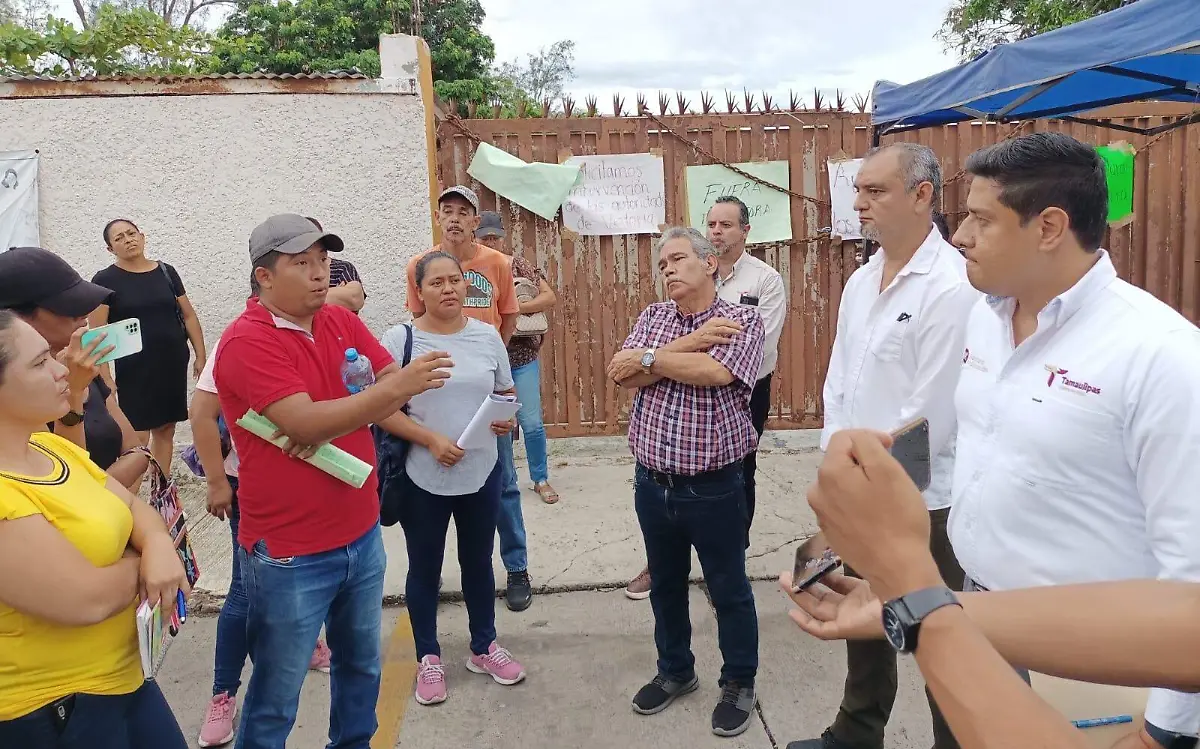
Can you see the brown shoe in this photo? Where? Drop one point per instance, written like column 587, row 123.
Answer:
column 639, row 588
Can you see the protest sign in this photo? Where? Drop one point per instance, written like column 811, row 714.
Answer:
column 1118, row 172
column 770, row 209
column 842, row 174
column 538, row 187
column 616, row 194
column 19, row 199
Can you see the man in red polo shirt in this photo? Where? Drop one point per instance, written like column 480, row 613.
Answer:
column 309, row 544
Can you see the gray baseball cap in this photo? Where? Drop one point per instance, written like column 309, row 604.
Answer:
column 465, row 193
column 290, row 234
column 490, row 225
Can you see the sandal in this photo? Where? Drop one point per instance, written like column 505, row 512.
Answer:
column 546, row 492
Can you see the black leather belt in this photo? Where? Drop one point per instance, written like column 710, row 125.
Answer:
column 680, row 481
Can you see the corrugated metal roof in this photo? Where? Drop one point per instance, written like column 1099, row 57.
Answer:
column 337, row 75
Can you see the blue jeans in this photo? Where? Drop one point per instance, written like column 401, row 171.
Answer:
column 425, row 518
column 529, row 392
column 289, row 601
column 230, row 653
column 708, row 513
column 141, row 719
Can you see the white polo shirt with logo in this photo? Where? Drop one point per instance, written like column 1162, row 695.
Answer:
column 751, row 276
column 1079, row 450
column 896, row 354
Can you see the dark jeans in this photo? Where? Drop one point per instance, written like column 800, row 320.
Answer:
column 760, row 406
column 871, row 679
column 425, row 518
column 229, row 656
column 138, row 720
column 290, row 599
column 708, row 513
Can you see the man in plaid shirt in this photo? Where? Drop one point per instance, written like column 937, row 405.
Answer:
column 694, row 361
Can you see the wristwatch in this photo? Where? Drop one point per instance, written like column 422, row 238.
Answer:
column 648, row 360
column 71, row 419
column 902, row 616
column 1170, row 739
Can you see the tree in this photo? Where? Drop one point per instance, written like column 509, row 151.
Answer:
column 972, row 27
column 320, row 36
column 542, row 77
column 178, row 13
column 118, row 42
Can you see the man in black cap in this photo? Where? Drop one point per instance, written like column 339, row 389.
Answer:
column 309, row 545
column 46, row 291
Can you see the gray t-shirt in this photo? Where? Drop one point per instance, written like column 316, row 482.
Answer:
column 480, row 369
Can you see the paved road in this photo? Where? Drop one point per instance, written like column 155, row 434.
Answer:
column 586, row 647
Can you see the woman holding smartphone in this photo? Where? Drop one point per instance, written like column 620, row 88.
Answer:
column 446, row 481
column 76, row 549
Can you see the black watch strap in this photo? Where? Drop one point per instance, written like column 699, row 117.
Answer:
column 903, row 616
column 1170, row 739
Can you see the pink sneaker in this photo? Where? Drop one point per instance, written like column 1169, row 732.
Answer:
column 498, row 664
column 320, row 658
column 431, row 681
column 217, row 729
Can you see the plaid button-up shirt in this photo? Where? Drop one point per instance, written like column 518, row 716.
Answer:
column 689, row 429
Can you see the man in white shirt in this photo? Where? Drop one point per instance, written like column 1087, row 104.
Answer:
column 746, row 280
column 1078, row 404
column 896, row 357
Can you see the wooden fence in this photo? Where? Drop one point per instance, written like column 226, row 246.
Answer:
column 604, row 282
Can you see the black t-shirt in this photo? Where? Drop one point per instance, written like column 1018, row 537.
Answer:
column 101, row 433
column 152, row 297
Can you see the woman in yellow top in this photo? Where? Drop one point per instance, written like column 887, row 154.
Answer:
column 76, row 549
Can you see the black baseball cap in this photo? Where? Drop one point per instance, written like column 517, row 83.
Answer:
column 490, row 225
column 33, row 276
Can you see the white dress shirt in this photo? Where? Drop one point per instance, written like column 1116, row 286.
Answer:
column 897, row 354
column 1079, row 450
column 754, row 277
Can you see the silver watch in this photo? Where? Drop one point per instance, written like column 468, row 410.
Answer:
column 648, row 360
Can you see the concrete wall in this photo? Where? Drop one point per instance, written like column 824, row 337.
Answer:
column 198, row 172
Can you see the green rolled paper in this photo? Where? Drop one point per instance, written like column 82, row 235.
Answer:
column 332, row 460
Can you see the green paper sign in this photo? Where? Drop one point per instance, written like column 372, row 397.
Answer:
column 1118, row 170
column 770, row 210
column 539, row 187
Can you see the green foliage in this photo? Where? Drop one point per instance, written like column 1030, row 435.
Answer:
column 320, row 36
column 119, row 42
column 972, row 27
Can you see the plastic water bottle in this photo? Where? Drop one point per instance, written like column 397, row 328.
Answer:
column 357, row 373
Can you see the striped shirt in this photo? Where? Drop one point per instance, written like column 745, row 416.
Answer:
column 341, row 272
column 690, row 429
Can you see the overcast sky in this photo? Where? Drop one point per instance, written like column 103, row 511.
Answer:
column 629, row 45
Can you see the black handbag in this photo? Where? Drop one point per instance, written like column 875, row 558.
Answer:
column 391, row 452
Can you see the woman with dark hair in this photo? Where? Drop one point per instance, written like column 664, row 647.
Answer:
column 46, row 292
column 446, row 481
column 76, row 550
column 153, row 383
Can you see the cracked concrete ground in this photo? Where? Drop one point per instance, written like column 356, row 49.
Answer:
column 586, row 647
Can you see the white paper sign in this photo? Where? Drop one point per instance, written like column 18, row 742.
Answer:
column 616, row 194
column 841, row 196
column 19, row 199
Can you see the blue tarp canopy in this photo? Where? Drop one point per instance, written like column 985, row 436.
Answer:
column 1149, row 49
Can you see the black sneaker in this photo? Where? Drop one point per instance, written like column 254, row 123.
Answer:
column 827, row 741
column 660, row 693
column 732, row 715
column 519, row 594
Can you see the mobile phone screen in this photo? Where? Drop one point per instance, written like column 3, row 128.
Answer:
column 814, row 560
column 910, row 447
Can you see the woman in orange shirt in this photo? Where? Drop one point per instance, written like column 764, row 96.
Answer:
column 76, row 549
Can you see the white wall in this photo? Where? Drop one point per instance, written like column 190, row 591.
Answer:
column 198, row 172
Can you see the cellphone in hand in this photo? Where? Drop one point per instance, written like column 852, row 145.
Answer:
column 814, row 560
column 125, row 337
column 910, row 447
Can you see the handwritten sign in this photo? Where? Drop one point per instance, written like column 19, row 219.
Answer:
column 1118, row 172
column 841, row 196
column 617, row 194
column 770, row 209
